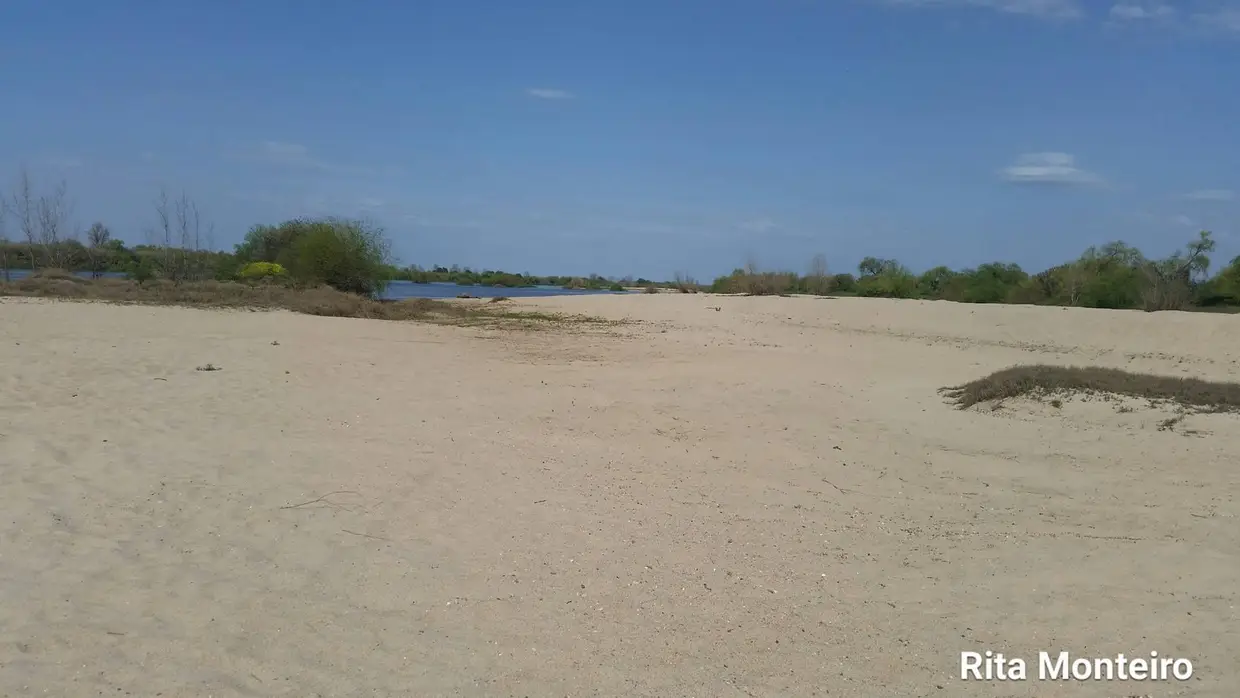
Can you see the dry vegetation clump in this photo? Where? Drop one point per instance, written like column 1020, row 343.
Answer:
column 323, row 301
column 1040, row 381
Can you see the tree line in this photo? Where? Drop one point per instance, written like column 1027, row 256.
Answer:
column 355, row 256
column 1115, row 275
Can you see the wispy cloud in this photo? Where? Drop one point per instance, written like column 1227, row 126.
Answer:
column 1193, row 17
column 1045, row 9
column 1141, row 10
column 1181, row 219
column 1211, row 195
column 1048, row 168
column 1225, row 18
column 298, row 156
column 548, row 93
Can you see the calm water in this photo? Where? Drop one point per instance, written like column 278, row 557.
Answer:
column 405, row 289
column 398, row 290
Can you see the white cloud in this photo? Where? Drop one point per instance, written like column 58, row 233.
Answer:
column 1138, row 10
column 1047, row 9
column 1221, row 18
column 548, row 93
column 1183, row 220
column 1048, row 168
column 1211, row 195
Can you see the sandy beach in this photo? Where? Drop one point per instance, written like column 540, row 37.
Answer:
column 726, row 496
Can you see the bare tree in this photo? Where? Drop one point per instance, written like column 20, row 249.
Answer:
column 162, row 235
column 685, row 283
column 817, row 279
column 24, row 208
column 97, row 237
column 751, row 266
column 53, row 221
column 4, row 238
column 189, row 227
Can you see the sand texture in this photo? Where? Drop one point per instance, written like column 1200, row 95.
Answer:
column 768, row 499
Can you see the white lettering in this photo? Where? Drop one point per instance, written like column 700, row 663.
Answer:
column 970, row 666
column 1048, row 671
column 1061, row 666
column 991, row 666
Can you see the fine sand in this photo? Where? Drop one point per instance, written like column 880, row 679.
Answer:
column 768, row 499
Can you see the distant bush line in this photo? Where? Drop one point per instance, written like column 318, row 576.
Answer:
column 1115, row 275
column 354, row 256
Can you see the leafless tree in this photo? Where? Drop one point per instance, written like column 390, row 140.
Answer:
column 751, row 266
column 684, row 282
column 52, row 215
column 162, row 235
column 96, row 238
column 189, row 227
column 4, row 237
column 24, row 209
column 817, row 280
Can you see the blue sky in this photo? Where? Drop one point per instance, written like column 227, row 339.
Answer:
column 640, row 137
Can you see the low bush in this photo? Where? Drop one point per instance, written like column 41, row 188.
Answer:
column 1040, row 380
column 255, row 271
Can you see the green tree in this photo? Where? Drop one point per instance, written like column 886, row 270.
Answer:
column 348, row 255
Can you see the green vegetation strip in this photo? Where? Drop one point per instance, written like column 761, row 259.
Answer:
column 269, row 295
column 1040, row 380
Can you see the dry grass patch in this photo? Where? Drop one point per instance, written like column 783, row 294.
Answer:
column 323, row 301
column 1042, row 381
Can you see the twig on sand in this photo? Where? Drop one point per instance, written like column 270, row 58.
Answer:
column 320, row 500
column 841, row 489
column 365, row 535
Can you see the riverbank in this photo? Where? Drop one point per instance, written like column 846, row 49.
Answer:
column 732, row 495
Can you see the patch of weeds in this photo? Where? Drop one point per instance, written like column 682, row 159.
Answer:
column 209, row 367
column 323, row 301
column 1170, row 423
column 1040, row 380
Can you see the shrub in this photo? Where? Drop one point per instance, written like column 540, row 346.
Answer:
column 261, row 270
column 349, row 256
column 141, row 269
column 892, row 283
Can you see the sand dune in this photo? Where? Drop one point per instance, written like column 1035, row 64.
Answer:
column 770, row 499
